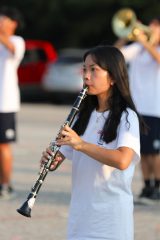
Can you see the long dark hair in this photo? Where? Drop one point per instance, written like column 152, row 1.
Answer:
column 111, row 59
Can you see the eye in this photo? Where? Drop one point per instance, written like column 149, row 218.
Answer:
column 84, row 70
column 92, row 69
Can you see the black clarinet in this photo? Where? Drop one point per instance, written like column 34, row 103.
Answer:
column 27, row 206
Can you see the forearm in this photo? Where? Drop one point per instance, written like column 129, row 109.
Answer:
column 117, row 158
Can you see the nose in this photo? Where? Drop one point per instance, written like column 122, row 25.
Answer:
column 86, row 75
column 86, row 79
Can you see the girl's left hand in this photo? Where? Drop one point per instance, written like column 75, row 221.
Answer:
column 71, row 138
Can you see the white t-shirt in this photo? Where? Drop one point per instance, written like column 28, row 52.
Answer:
column 144, row 74
column 102, row 202
column 9, row 89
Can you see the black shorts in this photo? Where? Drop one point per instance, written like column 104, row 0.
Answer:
column 150, row 143
column 7, row 127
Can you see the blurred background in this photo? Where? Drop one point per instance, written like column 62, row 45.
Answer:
column 80, row 23
column 53, row 26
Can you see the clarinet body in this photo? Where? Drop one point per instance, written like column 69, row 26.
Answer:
column 27, row 206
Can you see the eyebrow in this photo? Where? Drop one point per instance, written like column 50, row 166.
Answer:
column 91, row 65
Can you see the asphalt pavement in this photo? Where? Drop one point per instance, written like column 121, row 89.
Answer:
column 38, row 124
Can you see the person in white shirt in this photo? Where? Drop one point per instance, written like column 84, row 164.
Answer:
column 12, row 50
column 143, row 57
column 104, row 146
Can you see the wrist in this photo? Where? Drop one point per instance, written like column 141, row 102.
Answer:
column 81, row 146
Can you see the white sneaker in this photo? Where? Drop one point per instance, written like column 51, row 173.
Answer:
column 6, row 195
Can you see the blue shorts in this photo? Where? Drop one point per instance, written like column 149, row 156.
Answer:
column 7, row 127
column 150, row 143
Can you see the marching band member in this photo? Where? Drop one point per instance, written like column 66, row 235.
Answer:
column 104, row 146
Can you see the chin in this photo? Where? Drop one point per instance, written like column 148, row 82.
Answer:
column 91, row 93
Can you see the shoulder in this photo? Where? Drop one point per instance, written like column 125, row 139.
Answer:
column 129, row 116
column 19, row 45
column 131, row 50
column 132, row 46
column 129, row 112
column 17, row 40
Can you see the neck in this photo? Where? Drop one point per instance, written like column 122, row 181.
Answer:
column 101, row 110
column 102, row 104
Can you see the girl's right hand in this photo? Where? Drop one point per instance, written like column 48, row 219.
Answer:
column 47, row 154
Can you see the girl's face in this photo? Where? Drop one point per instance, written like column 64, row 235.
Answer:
column 97, row 79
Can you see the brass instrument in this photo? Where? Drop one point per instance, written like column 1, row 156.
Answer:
column 125, row 25
column 27, row 206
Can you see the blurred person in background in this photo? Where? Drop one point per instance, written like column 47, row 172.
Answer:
column 143, row 58
column 12, row 50
column 104, row 146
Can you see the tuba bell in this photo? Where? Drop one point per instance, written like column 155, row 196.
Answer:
column 125, row 25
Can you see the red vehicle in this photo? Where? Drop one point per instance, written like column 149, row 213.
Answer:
column 38, row 54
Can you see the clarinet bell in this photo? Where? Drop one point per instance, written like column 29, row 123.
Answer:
column 25, row 210
column 27, row 206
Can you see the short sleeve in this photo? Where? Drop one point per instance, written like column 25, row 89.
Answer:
column 128, row 132
column 19, row 47
column 67, row 151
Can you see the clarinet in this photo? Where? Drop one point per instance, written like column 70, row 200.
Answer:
column 27, row 206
